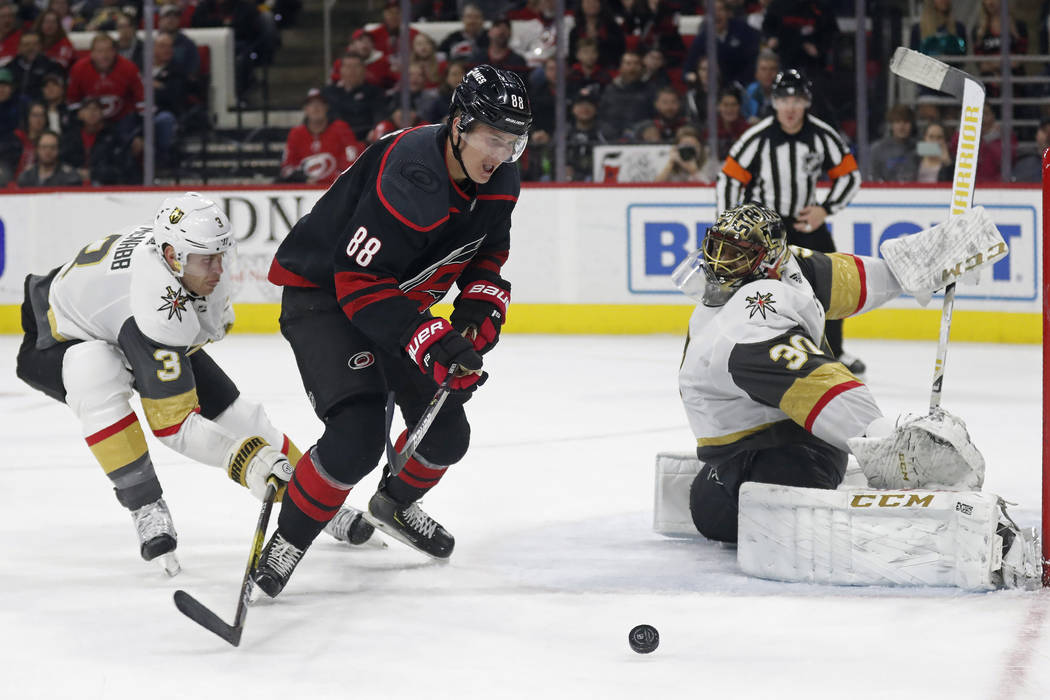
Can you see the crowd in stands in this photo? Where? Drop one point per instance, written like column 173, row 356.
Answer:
column 634, row 78
column 71, row 117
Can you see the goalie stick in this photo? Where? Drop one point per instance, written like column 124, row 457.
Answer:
column 397, row 459
column 201, row 614
column 936, row 75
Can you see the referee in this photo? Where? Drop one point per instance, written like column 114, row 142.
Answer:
column 777, row 162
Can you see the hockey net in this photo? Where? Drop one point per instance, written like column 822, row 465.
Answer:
column 1046, row 370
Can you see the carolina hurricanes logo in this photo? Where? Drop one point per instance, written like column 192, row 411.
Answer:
column 760, row 303
column 174, row 303
column 319, row 166
column 436, row 279
column 361, row 360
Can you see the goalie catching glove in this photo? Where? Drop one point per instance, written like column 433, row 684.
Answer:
column 435, row 346
column 253, row 460
column 480, row 311
column 932, row 451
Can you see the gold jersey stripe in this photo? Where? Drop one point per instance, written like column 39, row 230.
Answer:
column 732, row 437
column 806, row 393
column 169, row 411
column 54, row 326
column 120, row 449
column 846, row 284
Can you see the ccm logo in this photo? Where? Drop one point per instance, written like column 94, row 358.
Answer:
column 430, row 330
column 890, row 500
column 361, row 360
column 489, row 290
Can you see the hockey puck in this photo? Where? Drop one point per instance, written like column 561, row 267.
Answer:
column 644, row 639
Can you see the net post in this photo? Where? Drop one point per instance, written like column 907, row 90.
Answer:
column 1046, row 371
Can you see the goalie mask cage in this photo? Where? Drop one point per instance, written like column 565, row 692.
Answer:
column 1046, row 369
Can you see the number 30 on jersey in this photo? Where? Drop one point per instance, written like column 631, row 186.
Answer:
column 362, row 247
column 796, row 351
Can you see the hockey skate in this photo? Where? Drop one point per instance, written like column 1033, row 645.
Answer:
column 350, row 526
column 1022, row 559
column 157, row 536
column 410, row 524
column 276, row 564
column 854, row 364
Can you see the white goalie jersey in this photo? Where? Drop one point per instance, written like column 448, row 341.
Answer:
column 121, row 277
column 756, row 370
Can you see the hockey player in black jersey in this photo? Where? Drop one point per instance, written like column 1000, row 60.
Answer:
column 421, row 209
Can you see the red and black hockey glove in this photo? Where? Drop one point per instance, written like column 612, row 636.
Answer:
column 482, row 305
column 434, row 346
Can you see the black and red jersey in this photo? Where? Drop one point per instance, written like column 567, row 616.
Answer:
column 394, row 232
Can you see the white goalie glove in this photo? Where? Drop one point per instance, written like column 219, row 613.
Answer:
column 931, row 451
column 253, row 460
column 936, row 257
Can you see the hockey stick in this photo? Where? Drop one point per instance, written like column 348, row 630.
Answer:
column 199, row 613
column 929, row 72
column 397, row 459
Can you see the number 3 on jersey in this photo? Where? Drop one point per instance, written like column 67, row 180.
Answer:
column 362, row 247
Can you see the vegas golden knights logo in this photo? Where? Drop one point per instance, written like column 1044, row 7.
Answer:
column 176, row 215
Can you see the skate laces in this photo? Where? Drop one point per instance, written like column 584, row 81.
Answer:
column 283, row 556
column 339, row 526
column 414, row 517
column 153, row 520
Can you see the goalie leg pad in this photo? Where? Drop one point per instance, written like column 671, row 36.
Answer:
column 675, row 472
column 868, row 537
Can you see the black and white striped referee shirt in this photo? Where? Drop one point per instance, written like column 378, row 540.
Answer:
column 781, row 170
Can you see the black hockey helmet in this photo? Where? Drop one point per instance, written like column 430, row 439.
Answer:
column 792, row 83
column 495, row 97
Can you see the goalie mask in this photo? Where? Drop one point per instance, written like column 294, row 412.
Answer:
column 191, row 224
column 746, row 243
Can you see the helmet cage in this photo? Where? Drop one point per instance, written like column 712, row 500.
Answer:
column 746, row 243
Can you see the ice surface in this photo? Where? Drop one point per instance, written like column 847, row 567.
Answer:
column 555, row 558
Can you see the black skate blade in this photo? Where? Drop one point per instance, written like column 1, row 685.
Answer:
column 196, row 611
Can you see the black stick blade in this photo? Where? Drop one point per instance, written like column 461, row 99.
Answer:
column 196, row 611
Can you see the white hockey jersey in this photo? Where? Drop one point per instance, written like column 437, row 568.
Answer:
column 119, row 277
column 756, row 370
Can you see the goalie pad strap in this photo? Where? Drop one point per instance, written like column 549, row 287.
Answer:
column 869, row 537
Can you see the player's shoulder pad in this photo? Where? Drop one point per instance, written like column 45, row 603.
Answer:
column 413, row 179
column 162, row 309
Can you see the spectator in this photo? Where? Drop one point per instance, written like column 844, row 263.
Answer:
column 587, row 71
column 668, row 114
column 802, row 32
column 987, row 41
column 435, row 10
column 499, row 53
column 101, row 15
column 583, row 135
column 593, row 19
column 650, row 24
column 697, row 91
column 30, row 66
column 12, row 105
column 935, row 164
column 646, row 131
column 353, row 100
column 758, row 99
column 70, row 21
column 453, row 76
column 48, row 170
column 424, row 100
column 53, row 93
column 34, row 124
column 471, row 40
column 424, row 52
column 655, row 73
column 392, row 123
column 387, row 35
column 378, row 70
column 736, row 47
column 10, row 31
column 894, row 158
column 937, row 32
column 686, row 162
column 627, row 100
column 128, row 43
column 730, row 123
column 1029, row 164
column 319, row 149
column 543, row 99
column 110, row 77
column 990, row 150
column 170, row 88
column 253, row 42
column 187, row 56
column 53, row 40
column 100, row 155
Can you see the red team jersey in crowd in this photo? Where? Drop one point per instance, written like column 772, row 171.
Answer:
column 120, row 89
column 61, row 52
column 321, row 156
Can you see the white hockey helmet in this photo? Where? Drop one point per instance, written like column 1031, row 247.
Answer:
column 189, row 223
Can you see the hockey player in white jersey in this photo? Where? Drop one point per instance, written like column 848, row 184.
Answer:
column 769, row 403
column 132, row 311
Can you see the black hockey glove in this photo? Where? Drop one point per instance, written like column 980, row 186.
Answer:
column 434, row 346
column 482, row 306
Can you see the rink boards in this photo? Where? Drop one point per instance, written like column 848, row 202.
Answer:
column 584, row 259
